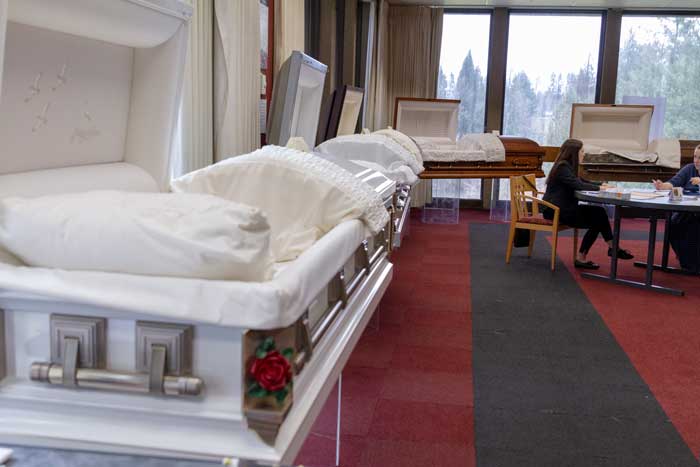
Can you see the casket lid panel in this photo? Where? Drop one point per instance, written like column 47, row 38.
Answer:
column 89, row 86
column 427, row 117
column 612, row 127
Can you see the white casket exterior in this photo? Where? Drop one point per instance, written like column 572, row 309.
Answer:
column 90, row 95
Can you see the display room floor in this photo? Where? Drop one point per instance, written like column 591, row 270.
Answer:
column 474, row 362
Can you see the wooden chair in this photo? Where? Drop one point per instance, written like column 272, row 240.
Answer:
column 525, row 214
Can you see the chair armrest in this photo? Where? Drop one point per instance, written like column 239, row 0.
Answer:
column 542, row 202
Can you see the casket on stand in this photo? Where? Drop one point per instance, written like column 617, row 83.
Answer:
column 150, row 365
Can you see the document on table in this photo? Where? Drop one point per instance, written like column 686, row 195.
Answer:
column 648, row 194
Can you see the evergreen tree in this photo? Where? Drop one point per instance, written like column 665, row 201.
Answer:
column 470, row 90
column 520, row 105
column 442, row 85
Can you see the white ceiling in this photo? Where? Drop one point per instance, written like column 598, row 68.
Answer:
column 641, row 4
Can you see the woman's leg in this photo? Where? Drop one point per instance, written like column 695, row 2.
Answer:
column 595, row 219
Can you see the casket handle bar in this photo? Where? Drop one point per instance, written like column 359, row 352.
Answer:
column 78, row 358
column 346, row 291
column 306, row 343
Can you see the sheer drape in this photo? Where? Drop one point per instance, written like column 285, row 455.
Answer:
column 193, row 146
column 236, row 77
column 414, row 39
column 289, row 30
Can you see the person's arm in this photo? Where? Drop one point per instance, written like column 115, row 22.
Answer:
column 565, row 175
column 682, row 177
column 592, row 182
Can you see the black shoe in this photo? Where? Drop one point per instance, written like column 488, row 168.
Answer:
column 585, row 264
column 621, row 254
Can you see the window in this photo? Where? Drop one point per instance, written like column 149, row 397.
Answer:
column 660, row 64
column 463, row 66
column 552, row 63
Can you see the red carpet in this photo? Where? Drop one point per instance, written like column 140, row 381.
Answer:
column 660, row 333
column 407, row 389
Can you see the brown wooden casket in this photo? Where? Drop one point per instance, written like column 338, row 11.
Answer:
column 610, row 128
column 632, row 172
column 523, row 156
column 437, row 118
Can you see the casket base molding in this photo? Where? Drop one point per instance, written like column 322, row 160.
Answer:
column 210, row 427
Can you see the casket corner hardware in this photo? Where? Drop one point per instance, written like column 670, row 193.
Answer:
column 79, row 356
column 268, row 392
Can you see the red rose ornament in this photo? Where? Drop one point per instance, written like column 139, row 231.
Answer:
column 272, row 372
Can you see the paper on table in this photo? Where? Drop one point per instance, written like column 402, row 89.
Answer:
column 647, row 195
column 5, row 455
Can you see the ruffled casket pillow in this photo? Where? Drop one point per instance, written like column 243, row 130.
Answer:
column 404, row 140
column 160, row 234
column 302, row 196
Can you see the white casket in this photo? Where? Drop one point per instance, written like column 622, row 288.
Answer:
column 145, row 364
column 296, row 100
column 619, row 134
column 432, row 123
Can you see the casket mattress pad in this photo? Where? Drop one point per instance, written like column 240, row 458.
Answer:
column 261, row 305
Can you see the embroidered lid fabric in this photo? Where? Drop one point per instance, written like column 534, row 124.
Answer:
column 156, row 234
column 302, row 196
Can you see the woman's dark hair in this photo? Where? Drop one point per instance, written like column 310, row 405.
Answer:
column 567, row 154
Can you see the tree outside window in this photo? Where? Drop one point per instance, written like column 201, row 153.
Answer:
column 660, row 64
column 463, row 67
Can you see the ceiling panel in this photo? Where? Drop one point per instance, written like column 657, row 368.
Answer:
column 642, row 4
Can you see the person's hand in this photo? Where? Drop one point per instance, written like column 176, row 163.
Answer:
column 658, row 184
column 695, row 180
column 607, row 186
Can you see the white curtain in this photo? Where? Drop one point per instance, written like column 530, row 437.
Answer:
column 194, row 148
column 289, row 30
column 237, row 79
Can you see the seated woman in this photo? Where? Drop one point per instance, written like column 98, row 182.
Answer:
column 562, row 183
column 685, row 227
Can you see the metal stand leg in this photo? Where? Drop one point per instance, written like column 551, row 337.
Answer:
column 665, row 252
column 651, row 249
column 649, row 265
column 616, row 242
column 337, row 430
column 667, row 241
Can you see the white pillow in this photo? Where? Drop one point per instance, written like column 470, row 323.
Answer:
column 303, row 196
column 162, row 234
column 404, row 140
column 379, row 149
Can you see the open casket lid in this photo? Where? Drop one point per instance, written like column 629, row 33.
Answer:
column 296, row 100
column 90, row 93
column 612, row 127
column 344, row 113
column 426, row 117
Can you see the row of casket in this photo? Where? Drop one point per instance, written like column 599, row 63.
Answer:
column 206, row 323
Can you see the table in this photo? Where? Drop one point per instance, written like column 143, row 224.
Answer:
column 39, row 457
column 653, row 209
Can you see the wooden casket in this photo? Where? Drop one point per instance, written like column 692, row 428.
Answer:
column 617, row 146
column 438, row 118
